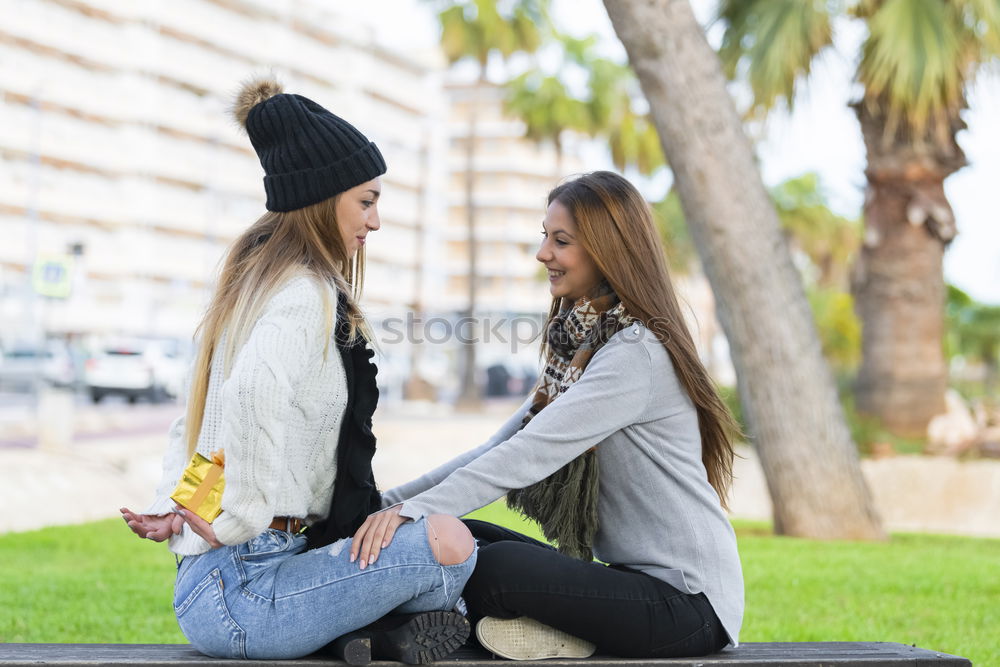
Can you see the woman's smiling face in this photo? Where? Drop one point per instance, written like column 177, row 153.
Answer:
column 357, row 214
column 572, row 271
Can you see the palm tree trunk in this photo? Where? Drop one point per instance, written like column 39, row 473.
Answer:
column 469, row 391
column 991, row 369
column 787, row 390
column 416, row 387
column 559, row 175
column 898, row 280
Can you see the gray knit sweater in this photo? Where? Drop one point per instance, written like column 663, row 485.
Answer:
column 658, row 514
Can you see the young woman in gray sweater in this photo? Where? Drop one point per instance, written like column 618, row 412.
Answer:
column 624, row 452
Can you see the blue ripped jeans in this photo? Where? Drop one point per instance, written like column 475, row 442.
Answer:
column 269, row 598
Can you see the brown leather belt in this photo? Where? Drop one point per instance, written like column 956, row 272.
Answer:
column 287, row 524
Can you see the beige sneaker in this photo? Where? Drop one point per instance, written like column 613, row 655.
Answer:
column 526, row 639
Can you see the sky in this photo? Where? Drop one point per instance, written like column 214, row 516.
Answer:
column 820, row 135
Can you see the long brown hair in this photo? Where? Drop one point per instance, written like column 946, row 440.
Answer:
column 276, row 248
column 616, row 229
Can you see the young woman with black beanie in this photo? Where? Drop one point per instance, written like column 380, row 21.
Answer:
column 283, row 384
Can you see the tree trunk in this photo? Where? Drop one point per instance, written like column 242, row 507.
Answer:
column 787, row 390
column 898, row 279
column 559, row 175
column 990, row 372
column 469, row 391
column 415, row 387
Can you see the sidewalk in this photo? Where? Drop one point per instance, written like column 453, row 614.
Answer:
column 95, row 476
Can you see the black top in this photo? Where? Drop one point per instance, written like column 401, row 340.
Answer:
column 355, row 494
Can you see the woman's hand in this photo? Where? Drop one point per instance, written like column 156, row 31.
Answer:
column 156, row 527
column 201, row 527
column 375, row 534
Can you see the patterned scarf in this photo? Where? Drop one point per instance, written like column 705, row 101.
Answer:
column 565, row 502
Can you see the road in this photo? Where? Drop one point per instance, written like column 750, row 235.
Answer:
column 23, row 417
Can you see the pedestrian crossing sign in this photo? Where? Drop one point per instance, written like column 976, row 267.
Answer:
column 52, row 276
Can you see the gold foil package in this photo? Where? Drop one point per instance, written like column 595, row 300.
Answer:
column 201, row 484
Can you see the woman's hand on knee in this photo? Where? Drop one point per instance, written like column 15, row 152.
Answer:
column 375, row 534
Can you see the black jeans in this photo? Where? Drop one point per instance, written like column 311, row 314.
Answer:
column 624, row 612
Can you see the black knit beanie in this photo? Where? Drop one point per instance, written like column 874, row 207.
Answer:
column 308, row 153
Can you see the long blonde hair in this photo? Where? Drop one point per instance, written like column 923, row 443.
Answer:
column 616, row 229
column 276, row 248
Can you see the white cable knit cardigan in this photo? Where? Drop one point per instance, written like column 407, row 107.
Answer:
column 277, row 417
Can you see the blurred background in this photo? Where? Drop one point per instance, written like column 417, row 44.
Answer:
column 123, row 179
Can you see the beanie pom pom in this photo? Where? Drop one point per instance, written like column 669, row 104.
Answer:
column 252, row 93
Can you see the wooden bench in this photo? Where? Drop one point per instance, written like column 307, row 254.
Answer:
column 777, row 653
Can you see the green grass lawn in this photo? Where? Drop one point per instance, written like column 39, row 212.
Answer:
column 97, row 583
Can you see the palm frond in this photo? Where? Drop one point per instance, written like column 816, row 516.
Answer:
column 544, row 105
column 827, row 239
column 475, row 28
column 496, row 31
column 578, row 50
column 609, row 98
column 776, row 41
column 456, row 35
column 634, row 142
column 668, row 215
column 916, row 60
column 983, row 20
column 864, row 9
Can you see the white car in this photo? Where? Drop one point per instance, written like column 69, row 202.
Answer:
column 23, row 366
column 134, row 369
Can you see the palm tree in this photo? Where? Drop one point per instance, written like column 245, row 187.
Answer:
column 975, row 333
column 830, row 241
column 614, row 93
column 546, row 108
column 788, row 395
column 824, row 243
column 828, row 244
column 477, row 30
column 668, row 213
column 607, row 111
column 914, row 67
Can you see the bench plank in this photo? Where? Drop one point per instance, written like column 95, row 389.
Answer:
column 803, row 654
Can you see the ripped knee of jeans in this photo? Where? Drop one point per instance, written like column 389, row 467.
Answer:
column 450, row 541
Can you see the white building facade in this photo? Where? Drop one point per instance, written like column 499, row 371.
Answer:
column 119, row 161
column 123, row 177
